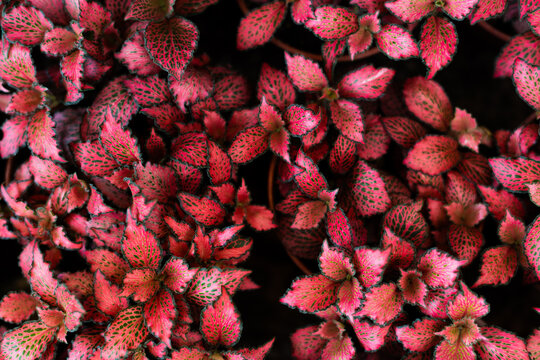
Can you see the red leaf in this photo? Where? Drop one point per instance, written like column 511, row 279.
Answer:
column 25, row 25
column 94, row 159
column 28, row 341
column 457, row 350
column 530, row 245
column 332, row 22
column 109, row 263
column 134, row 55
column 153, row 10
column 500, row 344
column 376, row 140
column 258, row 27
column 309, row 215
column 515, row 174
column 307, row 343
column 41, row 136
column 148, row 91
column 458, row 10
column 171, row 44
column 17, row 307
column 410, row 10
column 383, row 303
column 231, row 92
column 220, row 322
column 370, row 265
column 339, row 348
column 16, row 67
column 140, row 247
column 191, row 148
column 301, row 11
column 467, row 305
column 402, row 253
column 421, row 335
column 527, row 80
column 311, row 294
column 427, row 100
column 334, row 264
column 156, row 181
column 276, row 87
column 310, row 180
column 438, row 43
column 119, row 143
column 249, row 144
column 525, row 46
column 499, row 265
column 342, row 155
column 15, row 135
column 368, row 190
column 396, row 42
column 203, row 210
column 159, row 314
column 339, row 229
column 438, row 268
column 107, row 296
column 85, row 343
column 370, row 336
column 27, row 100
column 259, row 217
column 367, row 82
column 47, row 173
column 141, row 283
column 205, row 287
column 413, row 289
column 300, row 120
column 127, row 332
column 305, row 74
column 433, row 155
column 347, row 117
column 486, row 9
column 404, row 131
column 196, row 84
column 177, row 275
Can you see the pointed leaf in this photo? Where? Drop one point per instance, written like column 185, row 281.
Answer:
column 311, row 294
column 177, row 275
column 310, row 180
column 107, row 296
column 402, row 253
column 433, row 155
column 525, row 46
column 438, row 43
column 203, row 210
column 500, row 344
column 370, row 336
column 421, row 335
column 438, row 268
column 347, row 117
column 307, row 344
column 300, row 120
column 148, row 91
column 457, row 351
column 334, row 264
column 527, row 80
column 249, row 144
column 258, row 27
column 191, row 148
column 369, row 191
column 305, row 74
column 159, row 314
column 47, row 173
column 119, row 143
column 41, row 136
column 332, row 22
column 134, row 55
column 28, row 341
column 367, row 82
column 370, row 265
column 276, row 87
column 16, row 67
column 27, row 100
column 220, row 322
column 383, row 303
column 109, row 263
column 396, row 42
column 125, row 333
column 25, row 25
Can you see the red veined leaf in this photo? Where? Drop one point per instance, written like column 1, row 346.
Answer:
column 258, row 27
column 177, row 275
column 196, row 84
column 499, row 201
column 249, row 144
column 486, row 9
column 525, row 46
column 438, row 268
column 526, row 6
column 190, row 148
column 533, row 344
column 171, row 44
column 310, row 180
column 438, row 43
column 233, row 279
column 153, row 10
column 141, row 283
column 475, row 167
column 309, row 214
column 511, row 230
column 370, row 336
column 203, row 210
column 499, row 265
column 25, row 25
column 47, row 173
column 433, row 155
column 457, row 350
column 5, row 233
column 367, row 82
column 339, row 348
column 404, row 131
column 125, row 333
column 19, row 208
column 349, row 296
column 437, row 300
column 300, row 120
column 41, row 279
column 527, row 80
column 383, row 303
column 331, row 50
column 361, row 40
column 534, row 193
column 347, row 117
column 466, row 215
column 463, row 331
column 27, row 100
column 85, row 343
column 515, row 174
column 500, row 344
column 119, row 143
column 339, row 228
column 370, row 265
column 402, row 252
column 307, row 343
column 28, row 341
column 376, row 140
column 334, row 264
column 159, row 314
column 531, row 247
column 135, row 57
column 53, row 10
column 156, row 181
column 332, row 22
column 205, row 287
column 71, row 307
column 232, row 91
column 71, row 67
column 17, row 307
column 396, row 42
column 17, row 68
column 259, row 217
column 279, row 144
column 301, row 11
column 15, row 135
column 427, row 100
column 458, row 10
column 410, row 10
column 94, row 159
column 342, row 155
column 421, row 335
column 148, row 91
column 107, row 296
column 275, row 87
column 312, row 293
column 41, row 136
column 305, row 74
column 467, row 305
column 534, row 21
column 368, row 190
column 109, row 263
column 413, row 289
column 460, row 190
column 301, row 243
column 140, row 246
column 220, row 322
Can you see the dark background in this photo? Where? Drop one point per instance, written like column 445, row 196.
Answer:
column 470, row 85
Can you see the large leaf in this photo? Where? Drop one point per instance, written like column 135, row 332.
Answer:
column 17, row 68
column 332, row 22
column 527, row 80
column 366, row 82
column 275, row 87
column 107, row 296
column 433, row 155
column 525, row 46
column 140, row 246
column 205, row 287
column 383, row 303
column 143, row 10
column 309, row 179
column 531, row 246
column 370, row 265
column 421, row 335
column 220, row 322
column 396, row 42
column 368, row 189
column 249, row 144
column 500, row 344
column 438, row 43
column 171, row 43
column 17, row 307
column 119, row 143
column 25, row 25
column 311, row 294
column 191, row 148
column 134, row 55
column 515, row 174
column 127, row 332
column 28, row 341
column 305, row 74
column 438, row 268
column 47, row 173
column 159, row 314
column 258, row 27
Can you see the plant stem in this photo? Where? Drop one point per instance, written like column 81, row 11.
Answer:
column 9, row 167
column 497, row 33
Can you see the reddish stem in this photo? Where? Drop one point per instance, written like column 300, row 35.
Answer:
column 9, row 167
column 291, row 49
column 497, row 33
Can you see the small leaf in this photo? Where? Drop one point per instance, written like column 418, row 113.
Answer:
column 125, row 333
column 177, row 275
column 347, row 117
column 25, row 25
column 41, row 136
column 309, row 215
column 310, row 180
column 438, row 43
column 333, row 22
column 134, row 55
column 305, row 74
column 16, row 68
column 396, row 42
column 249, row 144
column 367, row 82
column 438, row 268
column 47, row 173
column 119, row 143
column 107, row 296
column 300, row 120
column 370, row 265
column 220, row 322
column 311, row 294
column 258, row 27
column 334, row 264
column 527, row 80
column 148, row 91
column 486, row 9
column 140, row 246
column 203, row 210
column 275, row 87
column 383, row 303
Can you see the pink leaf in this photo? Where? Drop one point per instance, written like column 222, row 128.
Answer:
column 15, row 135
column 41, row 136
column 339, row 229
column 94, row 159
column 171, row 43
column 148, row 91
column 433, row 155
column 276, row 87
column 300, row 120
column 410, row 10
column 231, row 92
column 376, row 140
column 527, row 80
column 109, row 263
column 486, row 9
column 249, row 144
column 134, row 55
column 141, row 283
column 47, row 173
column 421, row 335
column 413, row 289
column 196, row 84
column 205, row 287
column 531, row 248
column 259, row 217
column 140, row 246
column 339, row 348
column 350, row 296
column 27, row 100
column 404, row 131
column 220, row 322
column 125, row 333
column 156, row 181
column 310, row 180
column 16, row 68
column 279, row 144
column 515, row 174
column 332, row 22
column 258, row 27
column 119, row 143
column 311, row 294
column 438, row 43
column 220, row 166
column 154, row 10
column 25, row 25
column 511, row 230
column 301, row 11
column 307, row 344
column 343, row 155
column 159, row 314
column 17, row 307
column 500, row 344
column 203, row 210
column 525, row 46
column 438, row 268
column 457, row 351
column 369, row 191
column 177, row 275
column 28, row 341
column 347, row 117
column 370, row 265
column 305, row 74
column 396, row 42
column 500, row 201
column 309, row 215
column 107, row 296
column 334, row 264
column 383, row 303
column 467, row 305
column 402, row 253
column 367, row 82
column 459, row 9
column 370, row 336
column 191, row 148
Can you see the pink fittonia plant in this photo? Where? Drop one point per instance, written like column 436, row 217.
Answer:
column 130, row 152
